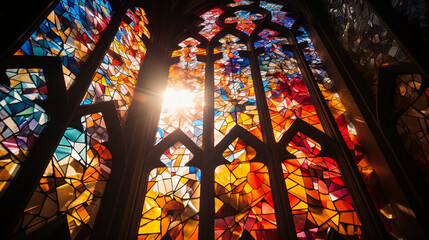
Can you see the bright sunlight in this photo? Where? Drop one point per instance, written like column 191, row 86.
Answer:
column 177, row 99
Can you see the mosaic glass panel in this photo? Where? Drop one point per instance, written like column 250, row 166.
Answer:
column 116, row 77
column 71, row 32
column 243, row 196
column 277, row 15
column 73, row 184
column 237, row 3
column 210, row 28
column 22, row 119
column 317, row 193
column 412, row 126
column 366, row 40
column 235, row 101
column 172, row 198
column 244, row 20
column 287, row 96
column 183, row 105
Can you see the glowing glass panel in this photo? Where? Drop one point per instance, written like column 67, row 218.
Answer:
column 172, row 198
column 116, row 77
column 317, row 193
column 235, row 101
column 244, row 20
column 277, row 15
column 183, row 105
column 239, row 3
column 22, row 119
column 210, row 27
column 73, row 183
column 243, row 196
column 287, row 96
column 71, row 32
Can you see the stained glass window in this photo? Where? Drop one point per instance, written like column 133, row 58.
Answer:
column 241, row 79
column 73, row 184
column 255, row 79
column 287, row 96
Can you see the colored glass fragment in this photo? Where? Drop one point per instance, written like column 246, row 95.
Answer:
column 235, row 101
column 22, row 119
column 239, row 3
column 116, row 77
column 172, row 198
column 73, row 184
column 243, row 196
column 244, row 20
column 183, row 105
column 287, row 96
column 277, row 15
column 210, row 27
column 71, row 32
column 317, row 193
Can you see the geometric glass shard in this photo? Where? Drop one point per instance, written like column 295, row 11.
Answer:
column 172, row 198
column 235, row 100
column 277, row 15
column 73, row 184
column 22, row 119
column 244, row 20
column 317, row 193
column 237, row 3
column 71, row 32
column 116, row 77
column 183, row 104
column 243, row 198
column 210, row 27
column 285, row 91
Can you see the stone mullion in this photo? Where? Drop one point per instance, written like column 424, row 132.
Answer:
column 207, row 196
